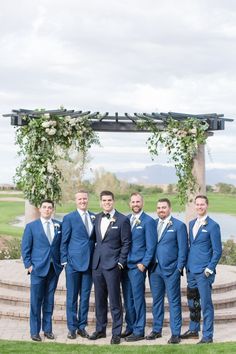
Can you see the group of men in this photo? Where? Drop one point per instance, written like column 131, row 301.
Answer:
column 114, row 251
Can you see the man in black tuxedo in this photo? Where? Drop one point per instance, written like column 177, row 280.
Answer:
column 112, row 235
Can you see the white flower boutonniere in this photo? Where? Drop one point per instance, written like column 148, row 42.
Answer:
column 56, row 225
column 137, row 222
column 112, row 220
column 204, row 223
column 93, row 217
column 170, row 223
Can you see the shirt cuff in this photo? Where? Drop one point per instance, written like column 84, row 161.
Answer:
column 64, row 263
column 209, row 270
column 120, row 265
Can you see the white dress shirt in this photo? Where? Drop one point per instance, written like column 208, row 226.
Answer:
column 51, row 225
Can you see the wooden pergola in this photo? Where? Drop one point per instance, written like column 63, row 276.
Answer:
column 106, row 122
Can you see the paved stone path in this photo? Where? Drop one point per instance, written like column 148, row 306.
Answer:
column 11, row 329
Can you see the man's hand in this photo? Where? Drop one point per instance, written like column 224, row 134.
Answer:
column 29, row 270
column 141, row 267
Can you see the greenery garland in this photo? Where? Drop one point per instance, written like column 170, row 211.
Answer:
column 43, row 141
column 181, row 138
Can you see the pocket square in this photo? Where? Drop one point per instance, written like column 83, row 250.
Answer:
column 139, row 227
column 170, row 230
column 114, row 227
column 203, row 230
column 59, row 232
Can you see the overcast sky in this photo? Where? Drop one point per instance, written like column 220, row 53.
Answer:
column 119, row 56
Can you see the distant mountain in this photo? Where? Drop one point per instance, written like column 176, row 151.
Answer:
column 158, row 174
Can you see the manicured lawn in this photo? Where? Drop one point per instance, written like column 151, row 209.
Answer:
column 11, row 209
column 43, row 348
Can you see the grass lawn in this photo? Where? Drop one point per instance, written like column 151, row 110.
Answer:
column 41, row 348
column 11, row 209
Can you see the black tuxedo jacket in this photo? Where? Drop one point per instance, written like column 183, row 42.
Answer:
column 115, row 245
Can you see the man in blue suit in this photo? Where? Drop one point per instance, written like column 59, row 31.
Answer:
column 171, row 257
column 143, row 247
column 41, row 256
column 112, row 235
column 76, row 254
column 204, row 254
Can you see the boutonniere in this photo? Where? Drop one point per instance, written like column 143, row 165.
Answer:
column 93, row 217
column 56, row 225
column 137, row 222
column 169, row 223
column 204, row 223
column 112, row 220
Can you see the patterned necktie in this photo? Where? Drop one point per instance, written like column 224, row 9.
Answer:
column 159, row 228
column 86, row 223
column 48, row 232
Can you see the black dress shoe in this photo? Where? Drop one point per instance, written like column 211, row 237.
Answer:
column 97, row 335
column 71, row 335
column 115, row 339
column 36, row 338
column 189, row 335
column 174, row 340
column 134, row 338
column 49, row 335
column 205, row 341
column 154, row 335
column 83, row 333
column 125, row 334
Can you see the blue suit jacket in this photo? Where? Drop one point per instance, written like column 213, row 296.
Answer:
column 37, row 251
column 206, row 249
column 76, row 245
column 143, row 242
column 114, row 247
column 172, row 248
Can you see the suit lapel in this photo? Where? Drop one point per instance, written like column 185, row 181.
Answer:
column 165, row 229
column 42, row 230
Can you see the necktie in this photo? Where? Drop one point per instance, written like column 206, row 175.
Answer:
column 86, row 223
column 132, row 221
column 196, row 227
column 48, row 232
column 159, row 228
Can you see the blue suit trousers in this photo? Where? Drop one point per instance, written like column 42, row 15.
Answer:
column 204, row 285
column 77, row 283
column 169, row 284
column 42, row 292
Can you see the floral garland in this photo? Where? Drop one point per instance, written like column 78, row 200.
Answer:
column 43, row 141
column 181, row 138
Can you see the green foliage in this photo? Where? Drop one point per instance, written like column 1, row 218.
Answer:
column 226, row 188
column 43, row 142
column 181, row 139
column 12, row 250
column 229, row 253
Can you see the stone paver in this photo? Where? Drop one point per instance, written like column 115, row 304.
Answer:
column 13, row 271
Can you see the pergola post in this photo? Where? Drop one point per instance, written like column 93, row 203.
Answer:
column 31, row 212
column 199, row 174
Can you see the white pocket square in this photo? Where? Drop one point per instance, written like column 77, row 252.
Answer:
column 59, row 232
column 114, row 227
column 203, row 230
column 170, row 230
column 139, row 227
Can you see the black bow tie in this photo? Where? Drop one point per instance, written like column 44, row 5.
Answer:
column 104, row 215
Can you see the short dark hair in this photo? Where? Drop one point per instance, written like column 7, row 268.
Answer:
column 103, row 193
column 165, row 200
column 202, row 196
column 46, row 201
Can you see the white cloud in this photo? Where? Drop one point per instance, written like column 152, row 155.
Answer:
column 120, row 56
